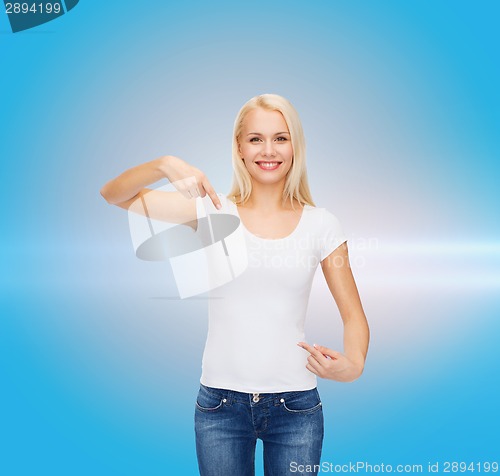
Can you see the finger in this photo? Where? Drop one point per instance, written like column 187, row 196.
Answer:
column 211, row 193
column 306, row 346
column 184, row 186
column 319, row 356
column 185, row 193
column 312, row 369
column 326, row 351
column 194, row 192
column 315, row 364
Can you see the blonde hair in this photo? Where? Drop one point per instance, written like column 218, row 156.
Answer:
column 296, row 184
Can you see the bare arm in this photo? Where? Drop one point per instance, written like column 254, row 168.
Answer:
column 129, row 190
column 328, row 363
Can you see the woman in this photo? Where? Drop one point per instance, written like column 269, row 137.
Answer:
column 259, row 376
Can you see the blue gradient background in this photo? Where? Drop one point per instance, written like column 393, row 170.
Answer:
column 400, row 105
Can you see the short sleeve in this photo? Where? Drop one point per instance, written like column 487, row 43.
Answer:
column 332, row 234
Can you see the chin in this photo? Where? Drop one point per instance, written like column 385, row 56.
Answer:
column 269, row 180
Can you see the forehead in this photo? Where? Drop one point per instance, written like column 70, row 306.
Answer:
column 261, row 120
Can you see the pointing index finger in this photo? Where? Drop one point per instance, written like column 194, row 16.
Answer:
column 211, row 193
column 313, row 351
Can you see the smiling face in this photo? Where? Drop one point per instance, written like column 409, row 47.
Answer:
column 265, row 146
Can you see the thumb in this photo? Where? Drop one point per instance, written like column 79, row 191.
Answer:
column 326, row 351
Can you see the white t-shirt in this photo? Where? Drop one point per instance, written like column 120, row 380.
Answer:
column 256, row 320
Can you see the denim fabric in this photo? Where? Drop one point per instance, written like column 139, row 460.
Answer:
column 228, row 423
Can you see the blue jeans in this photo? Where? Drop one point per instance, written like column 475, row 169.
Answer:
column 228, row 423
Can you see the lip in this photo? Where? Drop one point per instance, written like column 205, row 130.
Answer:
column 266, row 167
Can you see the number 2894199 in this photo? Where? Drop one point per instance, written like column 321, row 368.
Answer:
column 42, row 7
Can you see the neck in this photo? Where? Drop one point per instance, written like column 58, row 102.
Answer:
column 266, row 197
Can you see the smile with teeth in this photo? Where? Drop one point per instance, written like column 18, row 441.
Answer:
column 268, row 165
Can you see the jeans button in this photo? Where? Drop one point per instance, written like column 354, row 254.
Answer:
column 255, row 398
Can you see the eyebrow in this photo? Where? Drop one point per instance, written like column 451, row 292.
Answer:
column 258, row 133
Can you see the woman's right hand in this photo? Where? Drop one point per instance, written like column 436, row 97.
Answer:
column 130, row 190
column 188, row 180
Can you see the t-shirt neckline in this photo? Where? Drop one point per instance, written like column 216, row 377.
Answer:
column 299, row 223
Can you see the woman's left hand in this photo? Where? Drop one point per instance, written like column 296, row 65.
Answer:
column 330, row 364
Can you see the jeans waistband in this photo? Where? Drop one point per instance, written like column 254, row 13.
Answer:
column 233, row 396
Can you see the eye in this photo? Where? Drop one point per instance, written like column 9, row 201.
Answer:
column 281, row 139
column 253, row 139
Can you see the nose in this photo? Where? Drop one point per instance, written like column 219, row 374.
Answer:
column 268, row 149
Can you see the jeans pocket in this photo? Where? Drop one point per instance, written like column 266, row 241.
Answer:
column 304, row 402
column 209, row 400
